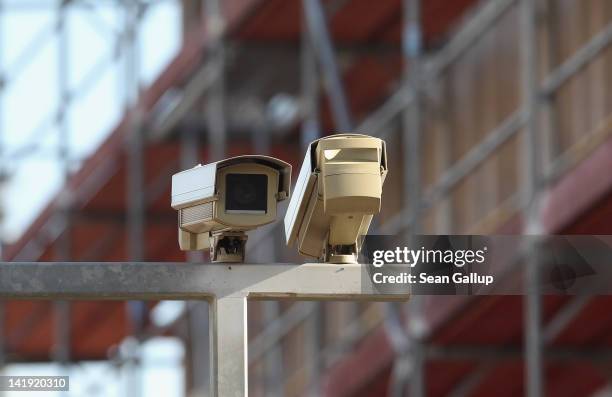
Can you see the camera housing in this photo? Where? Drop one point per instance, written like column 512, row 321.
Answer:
column 337, row 193
column 218, row 202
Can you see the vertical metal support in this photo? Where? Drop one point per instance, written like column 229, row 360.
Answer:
column 2, row 339
column 446, row 222
column 136, row 310
column 412, row 115
column 216, row 128
column 229, row 346
column 2, row 176
column 311, row 131
column 315, row 338
column 412, row 126
column 551, row 141
column 273, row 359
column 61, row 309
column 199, row 349
column 533, row 299
column 135, row 179
column 410, row 356
column 320, row 38
column 215, row 100
column 198, row 317
column 409, row 364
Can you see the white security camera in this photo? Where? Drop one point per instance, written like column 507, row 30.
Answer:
column 218, row 202
column 337, row 193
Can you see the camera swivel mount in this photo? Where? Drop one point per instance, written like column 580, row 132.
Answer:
column 228, row 246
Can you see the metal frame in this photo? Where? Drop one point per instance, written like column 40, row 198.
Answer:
column 526, row 116
column 319, row 57
column 486, row 17
column 226, row 287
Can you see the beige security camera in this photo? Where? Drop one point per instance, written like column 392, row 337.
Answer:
column 337, row 193
column 218, row 202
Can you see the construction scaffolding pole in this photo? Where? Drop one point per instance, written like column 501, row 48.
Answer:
column 215, row 97
column 310, row 131
column 411, row 137
column 62, row 324
column 135, row 183
column 198, row 347
column 533, row 299
column 316, row 25
column 203, row 314
column 267, row 250
column 3, row 170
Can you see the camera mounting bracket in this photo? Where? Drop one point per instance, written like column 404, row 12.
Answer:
column 228, row 247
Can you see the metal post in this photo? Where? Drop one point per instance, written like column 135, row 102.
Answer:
column 226, row 286
column 533, row 300
column 2, row 175
column 321, row 41
column 412, row 47
column 199, row 348
column 198, row 318
column 311, row 131
column 229, row 346
column 61, row 309
column 273, row 359
column 136, row 310
column 216, row 128
column 552, row 137
column 215, row 100
column 135, row 180
column 409, row 364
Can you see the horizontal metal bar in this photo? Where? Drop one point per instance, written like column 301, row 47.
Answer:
column 167, row 280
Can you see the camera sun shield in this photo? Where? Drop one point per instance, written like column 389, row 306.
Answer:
column 218, row 202
column 338, row 191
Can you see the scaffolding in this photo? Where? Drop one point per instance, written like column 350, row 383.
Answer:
column 402, row 116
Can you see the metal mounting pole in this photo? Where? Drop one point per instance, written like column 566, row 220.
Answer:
column 227, row 287
column 2, row 175
column 136, row 310
column 228, row 316
column 198, row 344
column 533, row 299
column 411, row 361
column 273, row 358
column 61, row 308
column 310, row 131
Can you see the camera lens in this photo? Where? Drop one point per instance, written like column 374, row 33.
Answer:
column 246, row 193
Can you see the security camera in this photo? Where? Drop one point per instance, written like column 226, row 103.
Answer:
column 218, row 202
column 337, row 193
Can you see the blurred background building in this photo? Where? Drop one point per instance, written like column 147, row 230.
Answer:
column 497, row 118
